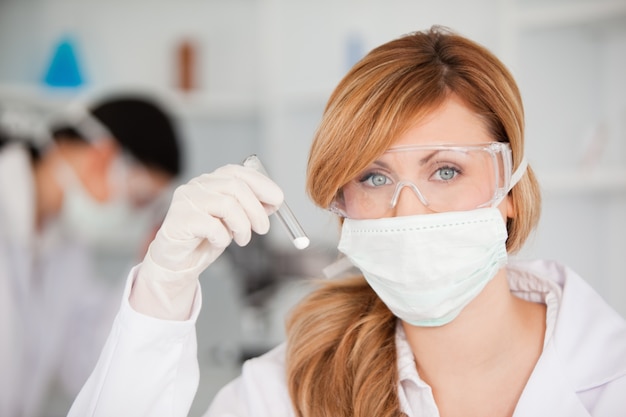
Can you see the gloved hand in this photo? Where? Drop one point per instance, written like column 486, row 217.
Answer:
column 205, row 215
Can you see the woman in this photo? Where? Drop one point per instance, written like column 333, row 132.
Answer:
column 439, row 324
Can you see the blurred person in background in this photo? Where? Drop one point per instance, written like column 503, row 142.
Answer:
column 98, row 181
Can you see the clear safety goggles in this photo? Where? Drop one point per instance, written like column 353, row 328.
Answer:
column 443, row 177
column 134, row 183
column 130, row 179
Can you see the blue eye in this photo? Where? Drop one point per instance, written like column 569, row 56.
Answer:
column 375, row 179
column 446, row 173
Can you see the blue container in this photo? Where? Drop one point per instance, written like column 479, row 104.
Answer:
column 64, row 69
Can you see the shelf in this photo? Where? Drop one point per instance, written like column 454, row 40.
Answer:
column 212, row 106
column 198, row 105
column 194, row 105
column 570, row 14
column 187, row 105
column 39, row 96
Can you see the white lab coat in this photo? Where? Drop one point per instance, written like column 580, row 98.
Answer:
column 53, row 317
column 149, row 368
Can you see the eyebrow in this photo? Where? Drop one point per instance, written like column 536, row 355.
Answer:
column 427, row 158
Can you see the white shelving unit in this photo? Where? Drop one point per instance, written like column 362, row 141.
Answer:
column 573, row 44
column 569, row 58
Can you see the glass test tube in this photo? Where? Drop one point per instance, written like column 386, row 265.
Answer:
column 284, row 213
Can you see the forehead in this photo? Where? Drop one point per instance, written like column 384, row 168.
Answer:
column 452, row 123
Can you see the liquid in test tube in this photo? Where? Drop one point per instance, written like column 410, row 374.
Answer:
column 284, row 213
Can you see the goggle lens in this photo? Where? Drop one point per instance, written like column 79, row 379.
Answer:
column 444, row 178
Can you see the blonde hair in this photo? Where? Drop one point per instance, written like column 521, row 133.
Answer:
column 341, row 354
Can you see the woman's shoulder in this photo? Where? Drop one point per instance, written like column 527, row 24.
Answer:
column 270, row 363
column 260, row 391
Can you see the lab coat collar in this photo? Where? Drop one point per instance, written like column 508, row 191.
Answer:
column 585, row 352
column 587, row 327
column 549, row 392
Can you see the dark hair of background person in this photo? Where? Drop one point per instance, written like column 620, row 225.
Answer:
column 140, row 126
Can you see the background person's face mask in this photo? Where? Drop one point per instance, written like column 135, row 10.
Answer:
column 427, row 268
column 114, row 223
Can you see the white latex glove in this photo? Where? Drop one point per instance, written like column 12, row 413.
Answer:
column 205, row 215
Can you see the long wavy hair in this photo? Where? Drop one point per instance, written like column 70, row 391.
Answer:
column 341, row 357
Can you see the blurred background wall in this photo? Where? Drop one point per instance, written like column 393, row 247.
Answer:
column 254, row 77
